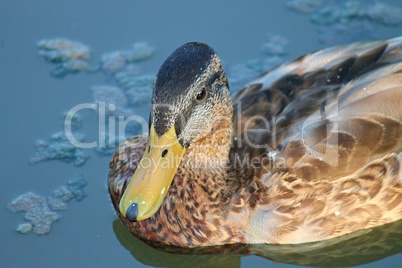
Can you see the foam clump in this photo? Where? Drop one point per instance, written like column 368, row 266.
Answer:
column 348, row 21
column 40, row 212
column 304, row 6
column 385, row 14
column 114, row 99
column 61, row 50
column 117, row 60
column 69, row 56
column 58, row 147
column 36, row 211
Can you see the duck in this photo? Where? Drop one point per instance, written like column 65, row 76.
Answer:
column 308, row 151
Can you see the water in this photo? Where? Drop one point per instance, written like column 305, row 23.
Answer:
column 32, row 103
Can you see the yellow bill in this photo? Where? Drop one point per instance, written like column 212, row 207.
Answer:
column 150, row 183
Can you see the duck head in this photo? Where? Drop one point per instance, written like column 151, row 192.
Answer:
column 190, row 102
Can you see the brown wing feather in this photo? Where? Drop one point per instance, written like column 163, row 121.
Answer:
column 342, row 155
column 305, row 211
column 295, row 90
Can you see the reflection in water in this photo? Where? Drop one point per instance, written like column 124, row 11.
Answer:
column 163, row 258
column 361, row 247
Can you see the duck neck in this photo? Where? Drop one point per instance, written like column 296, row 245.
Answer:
column 210, row 151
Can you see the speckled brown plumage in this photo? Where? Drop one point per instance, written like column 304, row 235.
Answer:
column 329, row 162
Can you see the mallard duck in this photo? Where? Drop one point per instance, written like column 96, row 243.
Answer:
column 309, row 151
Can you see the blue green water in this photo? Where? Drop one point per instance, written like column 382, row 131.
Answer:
column 32, row 103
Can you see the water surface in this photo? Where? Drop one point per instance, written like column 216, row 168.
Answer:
column 32, row 103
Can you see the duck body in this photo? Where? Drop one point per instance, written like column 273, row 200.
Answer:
column 306, row 152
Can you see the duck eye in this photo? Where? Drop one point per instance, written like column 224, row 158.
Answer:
column 201, row 95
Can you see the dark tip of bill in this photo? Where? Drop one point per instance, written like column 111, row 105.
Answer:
column 132, row 212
